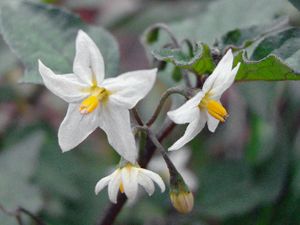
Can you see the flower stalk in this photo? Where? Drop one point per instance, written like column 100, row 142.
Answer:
column 162, row 101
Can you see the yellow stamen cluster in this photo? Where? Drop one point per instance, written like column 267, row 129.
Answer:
column 97, row 94
column 121, row 188
column 214, row 108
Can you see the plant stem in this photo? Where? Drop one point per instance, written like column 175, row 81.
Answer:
column 162, row 101
column 36, row 219
column 186, row 78
column 172, row 169
column 17, row 214
column 167, row 30
column 137, row 117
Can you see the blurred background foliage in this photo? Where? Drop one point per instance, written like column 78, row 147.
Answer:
column 248, row 171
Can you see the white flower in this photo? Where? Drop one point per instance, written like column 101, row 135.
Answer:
column 95, row 102
column 126, row 180
column 180, row 160
column 205, row 106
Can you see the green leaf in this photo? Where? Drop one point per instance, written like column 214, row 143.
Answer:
column 224, row 15
column 48, row 33
column 135, row 20
column 17, row 165
column 284, row 44
column 199, row 62
column 261, row 141
column 275, row 58
column 151, row 35
column 7, row 59
column 225, row 189
column 234, row 188
column 270, row 68
column 295, row 3
column 244, row 37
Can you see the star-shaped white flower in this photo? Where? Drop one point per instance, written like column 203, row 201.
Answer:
column 126, row 180
column 205, row 106
column 95, row 102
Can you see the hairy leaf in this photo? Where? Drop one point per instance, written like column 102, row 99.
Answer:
column 270, row 68
column 222, row 16
column 244, row 37
column 38, row 31
column 275, row 58
column 199, row 62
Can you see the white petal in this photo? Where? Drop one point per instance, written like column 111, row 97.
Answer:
column 155, row 177
column 102, row 183
column 129, row 180
column 221, row 72
column 147, row 183
column 129, row 88
column 76, row 127
column 186, row 113
column 88, row 62
column 219, row 90
column 212, row 123
column 114, row 186
column 115, row 121
column 67, row 86
column 191, row 131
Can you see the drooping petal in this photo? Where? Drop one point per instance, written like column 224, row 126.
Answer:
column 187, row 112
column 88, row 62
column 219, row 90
column 115, row 121
column 67, row 86
column 212, row 123
column 155, row 177
column 114, row 186
column 220, row 73
column 76, row 127
column 129, row 88
column 102, row 183
column 191, row 131
column 129, row 181
column 147, row 183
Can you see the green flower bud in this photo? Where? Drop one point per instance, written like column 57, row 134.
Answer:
column 181, row 197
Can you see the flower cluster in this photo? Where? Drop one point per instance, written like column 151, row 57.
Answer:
column 105, row 103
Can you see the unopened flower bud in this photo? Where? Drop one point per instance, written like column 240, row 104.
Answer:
column 181, row 197
column 182, row 201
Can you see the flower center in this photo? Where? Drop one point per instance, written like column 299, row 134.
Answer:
column 121, row 188
column 214, row 108
column 97, row 94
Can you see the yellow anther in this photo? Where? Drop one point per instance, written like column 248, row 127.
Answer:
column 121, row 188
column 89, row 104
column 97, row 94
column 214, row 108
